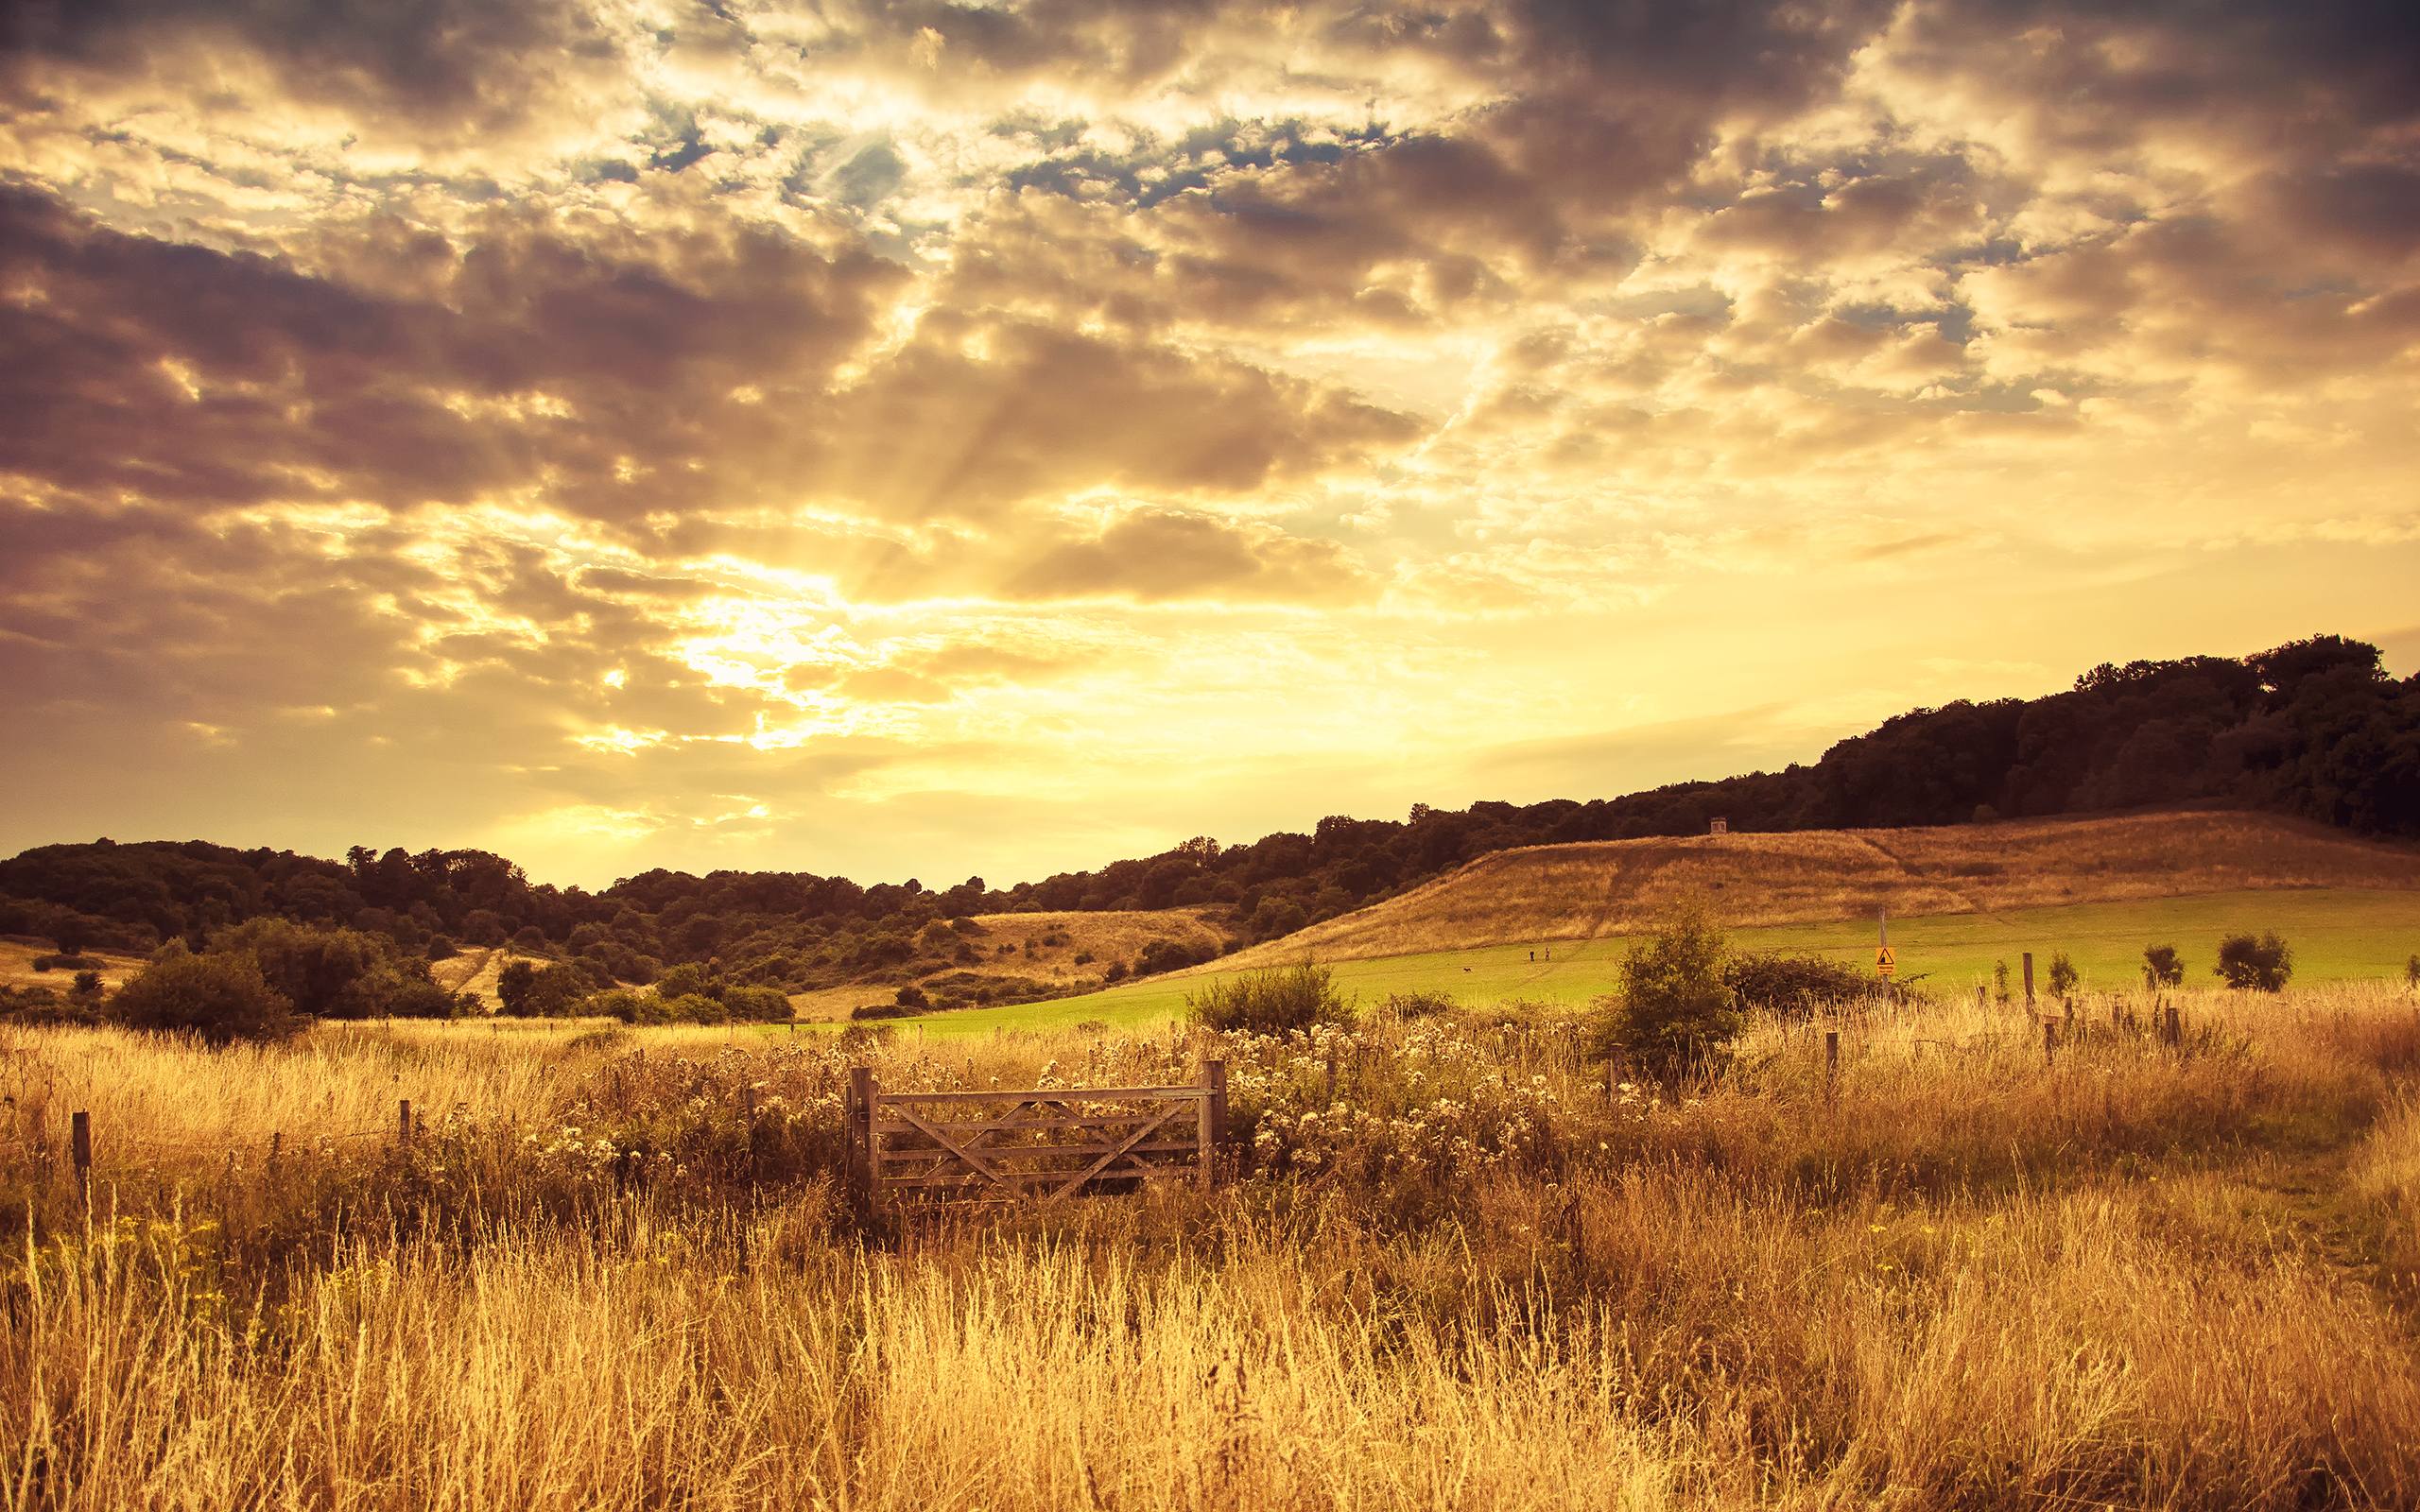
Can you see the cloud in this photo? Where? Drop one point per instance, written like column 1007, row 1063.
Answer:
column 1155, row 555
column 567, row 413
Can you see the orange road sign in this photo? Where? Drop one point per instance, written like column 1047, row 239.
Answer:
column 1885, row 963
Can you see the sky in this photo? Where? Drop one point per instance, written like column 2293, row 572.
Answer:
column 933, row 440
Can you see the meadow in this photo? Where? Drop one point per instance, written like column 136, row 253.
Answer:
column 2338, row 934
column 1456, row 1265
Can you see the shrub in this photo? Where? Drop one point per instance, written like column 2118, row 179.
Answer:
column 1675, row 1015
column 1273, row 1001
column 880, row 1010
column 623, row 1004
column 1117, row 971
column 1794, row 986
column 2162, row 966
column 2249, row 965
column 1085, row 957
column 681, row 980
column 692, row 1007
column 1409, row 1005
column 2000, row 981
column 936, row 938
column 2064, row 976
column 1168, row 955
column 221, row 996
column 757, row 1004
column 88, row 984
column 441, row 949
column 65, row 961
column 526, row 990
column 912, row 996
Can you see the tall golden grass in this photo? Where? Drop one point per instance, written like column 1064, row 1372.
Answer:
column 1461, row 1271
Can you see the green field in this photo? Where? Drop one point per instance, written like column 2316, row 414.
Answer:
column 2337, row 934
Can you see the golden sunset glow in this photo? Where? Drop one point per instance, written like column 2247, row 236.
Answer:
column 996, row 439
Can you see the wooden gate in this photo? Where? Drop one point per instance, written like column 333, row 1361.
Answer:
column 1033, row 1144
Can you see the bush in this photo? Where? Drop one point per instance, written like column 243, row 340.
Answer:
column 526, row 990
column 441, row 949
column 1117, row 971
column 623, row 1004
column 1274, row 1001
column 1408, row 1005
column 757, row 1004
column 2162, row 966
column 2064, row 976
column 912, row 996
column 2249, row 965
column 880, row 1010
column 65, row 961
column 1793, row 985
column 1675, row 1015
column 88, row 984
column 692, row 1007
column 221, row 996
column 1169, row 956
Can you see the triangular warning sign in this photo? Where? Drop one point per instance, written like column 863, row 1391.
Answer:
column 1884, row 961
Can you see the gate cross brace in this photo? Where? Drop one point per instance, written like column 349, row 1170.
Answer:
column 1098, row 1166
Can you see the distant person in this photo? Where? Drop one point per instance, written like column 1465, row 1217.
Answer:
column 1533, row 955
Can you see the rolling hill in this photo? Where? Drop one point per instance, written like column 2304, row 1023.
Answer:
column 1552, row 922
column 1581, row 891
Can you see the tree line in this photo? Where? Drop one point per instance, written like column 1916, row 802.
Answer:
column 2315, row 727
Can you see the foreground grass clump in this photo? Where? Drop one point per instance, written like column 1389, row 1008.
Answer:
column 1267, row 1002
column 1456, row 1268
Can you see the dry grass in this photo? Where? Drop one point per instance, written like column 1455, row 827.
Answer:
column 17, row 967
column 1622, row 887
column 476, row 969
column 1459, row 1274
column 1105, row 936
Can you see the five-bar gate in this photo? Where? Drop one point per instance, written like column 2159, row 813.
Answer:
column 1036, row 1144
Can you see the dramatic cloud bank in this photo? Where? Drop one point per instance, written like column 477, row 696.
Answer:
column 881, row 437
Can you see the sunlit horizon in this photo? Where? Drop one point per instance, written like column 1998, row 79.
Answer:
column 944, row 441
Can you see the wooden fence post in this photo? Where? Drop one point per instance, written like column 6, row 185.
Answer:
column 2049, row 1040
column 863, row 1098
column 404, row 1121
column 2029, row 981
column 80, row 1139
column 1831, row 1064
column 1211, row 1130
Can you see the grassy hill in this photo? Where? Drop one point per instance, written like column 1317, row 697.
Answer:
column 1573, row 892
column 1059, row 950
column 1552, row 922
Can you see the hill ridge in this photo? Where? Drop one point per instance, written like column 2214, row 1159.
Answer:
column 1521, row 894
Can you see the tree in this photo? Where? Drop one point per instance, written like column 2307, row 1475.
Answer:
column 526, row 990
column 71, row 937
column 2162, row 966
column 1675, row 1014
column 220, row 996
column 2064, row 976
column 2263, row 965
